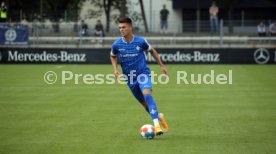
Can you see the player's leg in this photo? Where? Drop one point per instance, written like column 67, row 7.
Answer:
column 136, row 91
column 152, row 110
column 161, row 118
column 151, row 105
column 146, row 88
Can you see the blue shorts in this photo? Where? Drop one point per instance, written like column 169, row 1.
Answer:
column 137, row 87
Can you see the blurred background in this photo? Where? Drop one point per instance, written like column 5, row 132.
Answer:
column 188, row 20
column 57, row 36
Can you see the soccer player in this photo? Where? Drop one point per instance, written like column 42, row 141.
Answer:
column 129, row 51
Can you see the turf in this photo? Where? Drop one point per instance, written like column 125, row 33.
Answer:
column 237, row 118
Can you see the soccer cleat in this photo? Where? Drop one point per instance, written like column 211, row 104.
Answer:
column 163, row 122
column 158, row 130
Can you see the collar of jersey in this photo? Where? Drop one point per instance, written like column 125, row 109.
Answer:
column 123, row 39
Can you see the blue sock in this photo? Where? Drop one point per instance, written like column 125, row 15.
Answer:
column 151, row 106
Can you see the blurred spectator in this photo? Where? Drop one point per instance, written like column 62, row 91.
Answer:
column 84, row 28
column 55, row 27
column 164, row 13
column 35, row 27
column 3, row 12
column 24, row 22
column 99, row 29
column 261, row 29
column 272, row 29
column 213, row 11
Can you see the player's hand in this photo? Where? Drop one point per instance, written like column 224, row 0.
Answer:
column 116, row 73
column 164, row 70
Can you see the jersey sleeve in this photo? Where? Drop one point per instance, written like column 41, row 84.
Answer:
column 145, row 45
column 114, row 50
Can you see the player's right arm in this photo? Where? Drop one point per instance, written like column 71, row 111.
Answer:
column 114, row 60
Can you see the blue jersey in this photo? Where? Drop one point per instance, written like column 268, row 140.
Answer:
column 131, row 55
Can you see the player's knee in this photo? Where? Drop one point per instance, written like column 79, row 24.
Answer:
column 146, row 91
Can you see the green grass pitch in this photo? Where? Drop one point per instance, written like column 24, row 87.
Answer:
column 37, row 118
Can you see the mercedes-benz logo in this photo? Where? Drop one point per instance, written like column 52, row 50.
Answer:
column 261, row 56
column 10, row 35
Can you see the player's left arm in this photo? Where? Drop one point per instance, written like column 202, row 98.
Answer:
column 158, row 60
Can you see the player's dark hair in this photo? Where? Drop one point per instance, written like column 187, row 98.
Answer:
column 125, row 20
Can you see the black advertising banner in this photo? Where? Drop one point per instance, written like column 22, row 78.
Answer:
column 217, row 56
column 54, row 56
column 168, row 56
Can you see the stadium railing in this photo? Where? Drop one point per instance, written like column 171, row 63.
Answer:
column 167, row 41
column 67, row 34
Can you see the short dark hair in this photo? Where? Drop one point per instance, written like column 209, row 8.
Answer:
column 125, row 20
